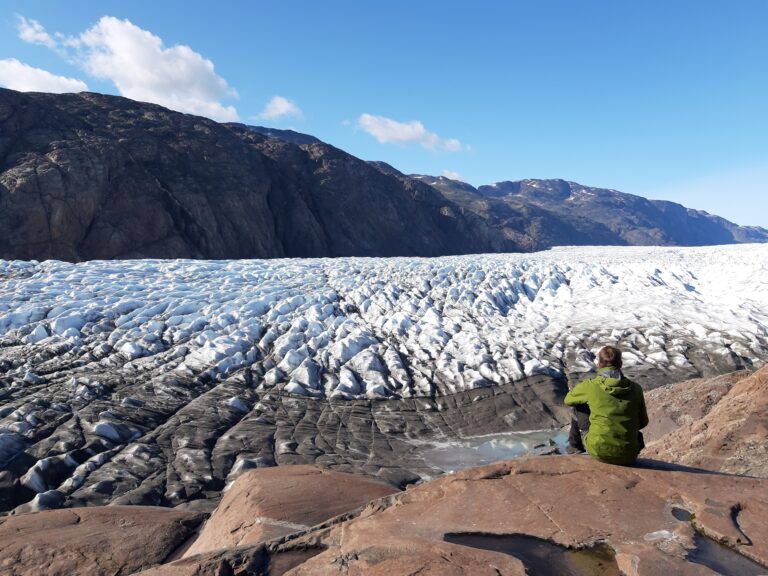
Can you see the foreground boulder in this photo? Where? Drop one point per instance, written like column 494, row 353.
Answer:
column 272, row 502
column 533, row 514
column 93, row 541
column 719, row 424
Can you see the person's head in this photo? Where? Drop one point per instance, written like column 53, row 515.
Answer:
column 609, row 356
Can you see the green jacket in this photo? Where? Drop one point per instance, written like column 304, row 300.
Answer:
column 617, row 413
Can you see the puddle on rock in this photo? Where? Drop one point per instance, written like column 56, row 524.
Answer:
column 544, row 557
column 723, row 559
column 681, row 514
column 716, row 556
column 461, row 453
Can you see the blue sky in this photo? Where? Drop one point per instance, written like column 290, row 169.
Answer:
column 665, row 99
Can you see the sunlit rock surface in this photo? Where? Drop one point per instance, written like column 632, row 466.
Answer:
column 540, row 515
column 720, row 425
column 546, row 514
column 273, row 502
column 95, row 541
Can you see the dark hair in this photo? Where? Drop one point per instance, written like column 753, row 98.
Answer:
column 609, row 356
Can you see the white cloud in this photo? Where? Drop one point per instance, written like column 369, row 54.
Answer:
column 33, row 32
column 386, row 131
column 452, row 175
column 25, row 78
column 279, row 108
column 141, row 66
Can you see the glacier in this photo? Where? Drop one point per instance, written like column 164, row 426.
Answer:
column 159, row 381
column 350, row 327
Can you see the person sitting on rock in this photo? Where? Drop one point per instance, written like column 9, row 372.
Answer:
column 609, row 411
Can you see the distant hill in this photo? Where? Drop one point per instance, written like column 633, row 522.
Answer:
column 534, row 227
column 556, row 212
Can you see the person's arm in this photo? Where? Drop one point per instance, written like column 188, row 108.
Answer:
column 579, row 394
column 643, row 418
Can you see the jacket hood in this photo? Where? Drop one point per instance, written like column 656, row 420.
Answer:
column 613, row 381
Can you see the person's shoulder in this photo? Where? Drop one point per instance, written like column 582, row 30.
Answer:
column 594, row 378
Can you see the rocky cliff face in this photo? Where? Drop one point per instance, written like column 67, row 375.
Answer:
column 88, row 176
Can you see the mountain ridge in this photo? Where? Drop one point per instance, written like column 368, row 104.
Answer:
column 88, row 176
column 91, row 176
column 612, row 216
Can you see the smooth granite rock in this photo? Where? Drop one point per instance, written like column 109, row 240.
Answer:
column 271, row 502
column 98, row 541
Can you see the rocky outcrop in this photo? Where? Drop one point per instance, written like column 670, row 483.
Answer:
column 549, row 515
column 718, row 425
column 554, row 514
column 88, row 176
column 272, row 502
column 94, row 541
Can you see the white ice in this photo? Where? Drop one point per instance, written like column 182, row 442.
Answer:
column 378, row 328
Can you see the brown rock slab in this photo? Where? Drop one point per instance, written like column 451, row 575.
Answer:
column 724, row 425
column 270, row 502
column 569, row 502
column 552, row 513
column 105, row 540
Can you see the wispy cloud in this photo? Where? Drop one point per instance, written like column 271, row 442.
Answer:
column 33, row 32
column 452, row 175
column 388, row 131
column 141, row 67
column 19, row 76
column 279, row 108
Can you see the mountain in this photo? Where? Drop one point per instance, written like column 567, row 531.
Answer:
column 526, row 223
column 630, row 219
column 545, row 213
column 89, row 176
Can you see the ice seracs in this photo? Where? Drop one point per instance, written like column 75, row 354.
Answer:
column 390, row 327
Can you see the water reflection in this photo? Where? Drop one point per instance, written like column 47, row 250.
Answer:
column 544, row 557
column 460, row 453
